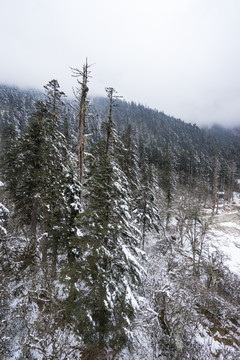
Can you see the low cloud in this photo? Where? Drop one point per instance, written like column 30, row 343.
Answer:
column 181, row 57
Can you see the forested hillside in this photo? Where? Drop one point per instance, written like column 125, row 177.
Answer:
column 114, row 229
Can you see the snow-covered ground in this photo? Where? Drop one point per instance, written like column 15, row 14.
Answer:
column 166, row 295
column 224, row 235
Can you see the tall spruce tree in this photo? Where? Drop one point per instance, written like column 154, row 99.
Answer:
column 54, row 100
column 9, row 136
column 129, row 159
column 146, row 208
column 106, row 273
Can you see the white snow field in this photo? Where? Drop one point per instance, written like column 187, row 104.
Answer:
column 224, row 235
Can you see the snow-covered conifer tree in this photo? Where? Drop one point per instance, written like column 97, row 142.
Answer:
column 106, row 271
column 44, row 185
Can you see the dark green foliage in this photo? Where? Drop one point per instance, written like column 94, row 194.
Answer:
column 192, row 148
column 16, row 106
column 54, row 100
column 167, row 176
column 37, row 171
column 145, row 207
column 8, row 155
column 101, row 307
column 128, row 158
column 105, row 274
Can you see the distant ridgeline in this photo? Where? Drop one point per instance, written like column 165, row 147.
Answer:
column 160, row 139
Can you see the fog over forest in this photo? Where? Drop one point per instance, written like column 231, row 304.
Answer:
column 177, row 56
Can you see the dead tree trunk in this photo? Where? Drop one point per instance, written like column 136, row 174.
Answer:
column 83, row 104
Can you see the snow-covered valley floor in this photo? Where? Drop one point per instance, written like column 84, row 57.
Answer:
column 200, row 309
column 224, row 235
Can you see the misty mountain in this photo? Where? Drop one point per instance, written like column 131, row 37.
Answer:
column 155, row 128
column 228, row 136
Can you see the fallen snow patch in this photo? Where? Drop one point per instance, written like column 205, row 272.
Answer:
column 224, row 236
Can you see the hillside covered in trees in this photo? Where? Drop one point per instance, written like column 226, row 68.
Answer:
column 110, row 230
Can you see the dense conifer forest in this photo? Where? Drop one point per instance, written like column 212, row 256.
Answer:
column 110, row 221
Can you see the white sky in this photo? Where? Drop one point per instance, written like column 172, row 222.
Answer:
column 179, row 56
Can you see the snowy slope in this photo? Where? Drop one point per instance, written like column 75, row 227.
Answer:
column 185, row 316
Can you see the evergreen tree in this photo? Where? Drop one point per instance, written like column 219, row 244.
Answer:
column 27, row 154
column 54, row 100
column 8, row 150
column 167, row 178
column 44, row 189
column 129, row 159
column 146, row 209
column 101, row 303
column 167, row 175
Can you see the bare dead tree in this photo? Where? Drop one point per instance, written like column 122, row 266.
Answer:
column 83, row 107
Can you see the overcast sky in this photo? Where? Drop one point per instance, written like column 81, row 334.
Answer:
column 178, row 56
